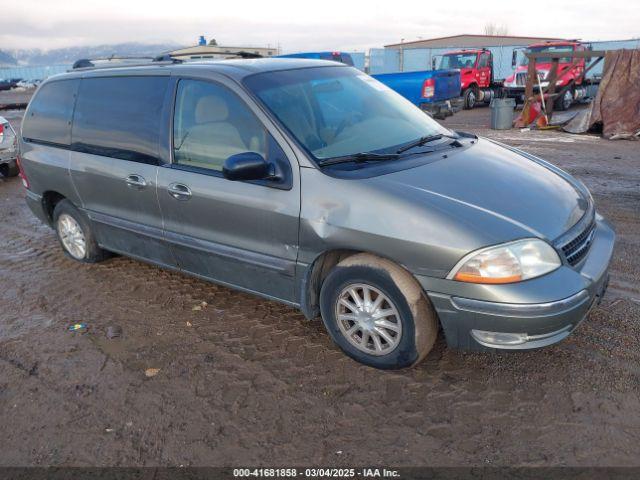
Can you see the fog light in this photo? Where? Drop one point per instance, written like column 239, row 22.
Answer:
column 498, row 338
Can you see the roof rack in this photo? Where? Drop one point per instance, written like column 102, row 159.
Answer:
column 162, row 59
column 114, row 61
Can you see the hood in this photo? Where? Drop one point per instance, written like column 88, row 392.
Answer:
column 500, row 193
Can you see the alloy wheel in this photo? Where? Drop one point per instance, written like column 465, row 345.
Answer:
column 368, row 319
column 72, row 236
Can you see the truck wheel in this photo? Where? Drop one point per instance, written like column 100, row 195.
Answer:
column 9, row 169
column 470, row 98
column 75, row 234
column 563, row 103
column 377, row 313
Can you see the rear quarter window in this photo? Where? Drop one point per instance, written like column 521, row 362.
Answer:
column 120, row 117
column 48, row 118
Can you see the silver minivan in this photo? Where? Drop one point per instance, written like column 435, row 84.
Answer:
column 310, row 183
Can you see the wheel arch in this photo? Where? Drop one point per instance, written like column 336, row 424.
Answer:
column 473, row 85
column 315, row 274
column 404, row 292
column 50, row 199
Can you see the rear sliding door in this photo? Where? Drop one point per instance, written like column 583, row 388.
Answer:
column 117, row 126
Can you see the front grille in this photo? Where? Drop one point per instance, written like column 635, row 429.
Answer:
column 576, row 249
column 521, row 79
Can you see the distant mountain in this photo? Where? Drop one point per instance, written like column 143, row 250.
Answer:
column 7, row 59
column 69, row 55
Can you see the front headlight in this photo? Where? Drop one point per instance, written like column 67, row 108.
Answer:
column 507, row 263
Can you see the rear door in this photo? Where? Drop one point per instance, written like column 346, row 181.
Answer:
column 115, row 153
column 243, row 234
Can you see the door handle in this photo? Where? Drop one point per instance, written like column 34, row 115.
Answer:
column 179, row 191
column 135, row 181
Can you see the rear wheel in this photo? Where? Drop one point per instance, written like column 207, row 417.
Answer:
column 470, row 98
column 75, row 234
column 376, row 313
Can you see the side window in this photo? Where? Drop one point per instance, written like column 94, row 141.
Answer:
column 484, row 61
column 120, row 117
column 49, row 116
column 210, row 124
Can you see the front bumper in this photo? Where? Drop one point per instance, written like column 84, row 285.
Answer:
column 517, row 91
column 525, row 315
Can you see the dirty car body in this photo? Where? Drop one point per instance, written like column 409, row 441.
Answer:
column 336, row 171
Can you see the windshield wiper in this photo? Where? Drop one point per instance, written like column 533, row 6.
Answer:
column 424, row 140
column 358, row 158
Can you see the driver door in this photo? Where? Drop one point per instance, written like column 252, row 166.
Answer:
column 243, row 234
column 484, row 70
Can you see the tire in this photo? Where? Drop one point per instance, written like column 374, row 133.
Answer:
column 414, row 321
column 563, row 103
column 470, row 98
column 65, row 213
column 9, row 169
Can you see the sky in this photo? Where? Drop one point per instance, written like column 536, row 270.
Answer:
column 302, row 24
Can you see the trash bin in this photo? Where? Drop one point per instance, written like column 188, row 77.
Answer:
column 502, row 113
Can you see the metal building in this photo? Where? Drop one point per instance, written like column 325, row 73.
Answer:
column 469, row 41
column 218, row 51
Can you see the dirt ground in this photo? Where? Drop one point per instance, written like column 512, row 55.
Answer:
column 245, row 381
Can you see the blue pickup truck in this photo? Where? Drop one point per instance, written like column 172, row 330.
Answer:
column 434, row 91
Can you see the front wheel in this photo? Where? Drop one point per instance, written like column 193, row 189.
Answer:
column 470, row 98
column 563, row 103
column 376, row 313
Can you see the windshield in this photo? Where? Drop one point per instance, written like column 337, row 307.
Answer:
column 554, row 49
column 458, row 60
column 340, row 111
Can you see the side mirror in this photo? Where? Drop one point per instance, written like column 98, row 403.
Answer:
column 246, row 166
column 514, row 58
column 433, row 63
